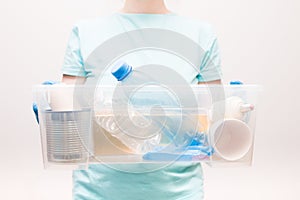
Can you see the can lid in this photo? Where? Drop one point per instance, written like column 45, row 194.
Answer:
column 121, row 70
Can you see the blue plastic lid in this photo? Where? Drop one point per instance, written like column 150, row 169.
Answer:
column 121, row 70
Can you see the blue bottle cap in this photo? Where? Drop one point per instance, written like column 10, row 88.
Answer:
column 121, row 70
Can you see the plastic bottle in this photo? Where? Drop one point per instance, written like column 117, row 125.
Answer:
column 233, row 108
column 146, row 117
column 138, row 131
column 236, row 108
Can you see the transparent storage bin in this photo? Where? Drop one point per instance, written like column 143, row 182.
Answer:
column 214, row 124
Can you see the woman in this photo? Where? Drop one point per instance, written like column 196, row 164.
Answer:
column 182, row 181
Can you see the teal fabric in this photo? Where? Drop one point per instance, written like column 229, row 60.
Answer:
column 178, row 181
column 182, row 181
column 89, row 34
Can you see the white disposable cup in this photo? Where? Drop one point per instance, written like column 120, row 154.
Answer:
column 62, row 98
column 231, row 138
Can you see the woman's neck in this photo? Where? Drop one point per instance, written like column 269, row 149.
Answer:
column 145, row 6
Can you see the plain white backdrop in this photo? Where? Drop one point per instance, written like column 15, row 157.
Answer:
column 260, row 44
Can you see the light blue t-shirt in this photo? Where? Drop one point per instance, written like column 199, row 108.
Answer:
column 182, row 181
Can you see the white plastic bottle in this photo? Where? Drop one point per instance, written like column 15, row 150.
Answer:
column 233, row 108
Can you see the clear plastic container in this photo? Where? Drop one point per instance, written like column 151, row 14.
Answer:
column 219, row 130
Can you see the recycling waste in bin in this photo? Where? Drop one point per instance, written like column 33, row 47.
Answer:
column 82, row 125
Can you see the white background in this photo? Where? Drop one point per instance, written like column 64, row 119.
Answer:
column 260, row 44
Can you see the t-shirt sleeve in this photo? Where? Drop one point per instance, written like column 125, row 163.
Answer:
column 210, row 68
column 73, row 64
